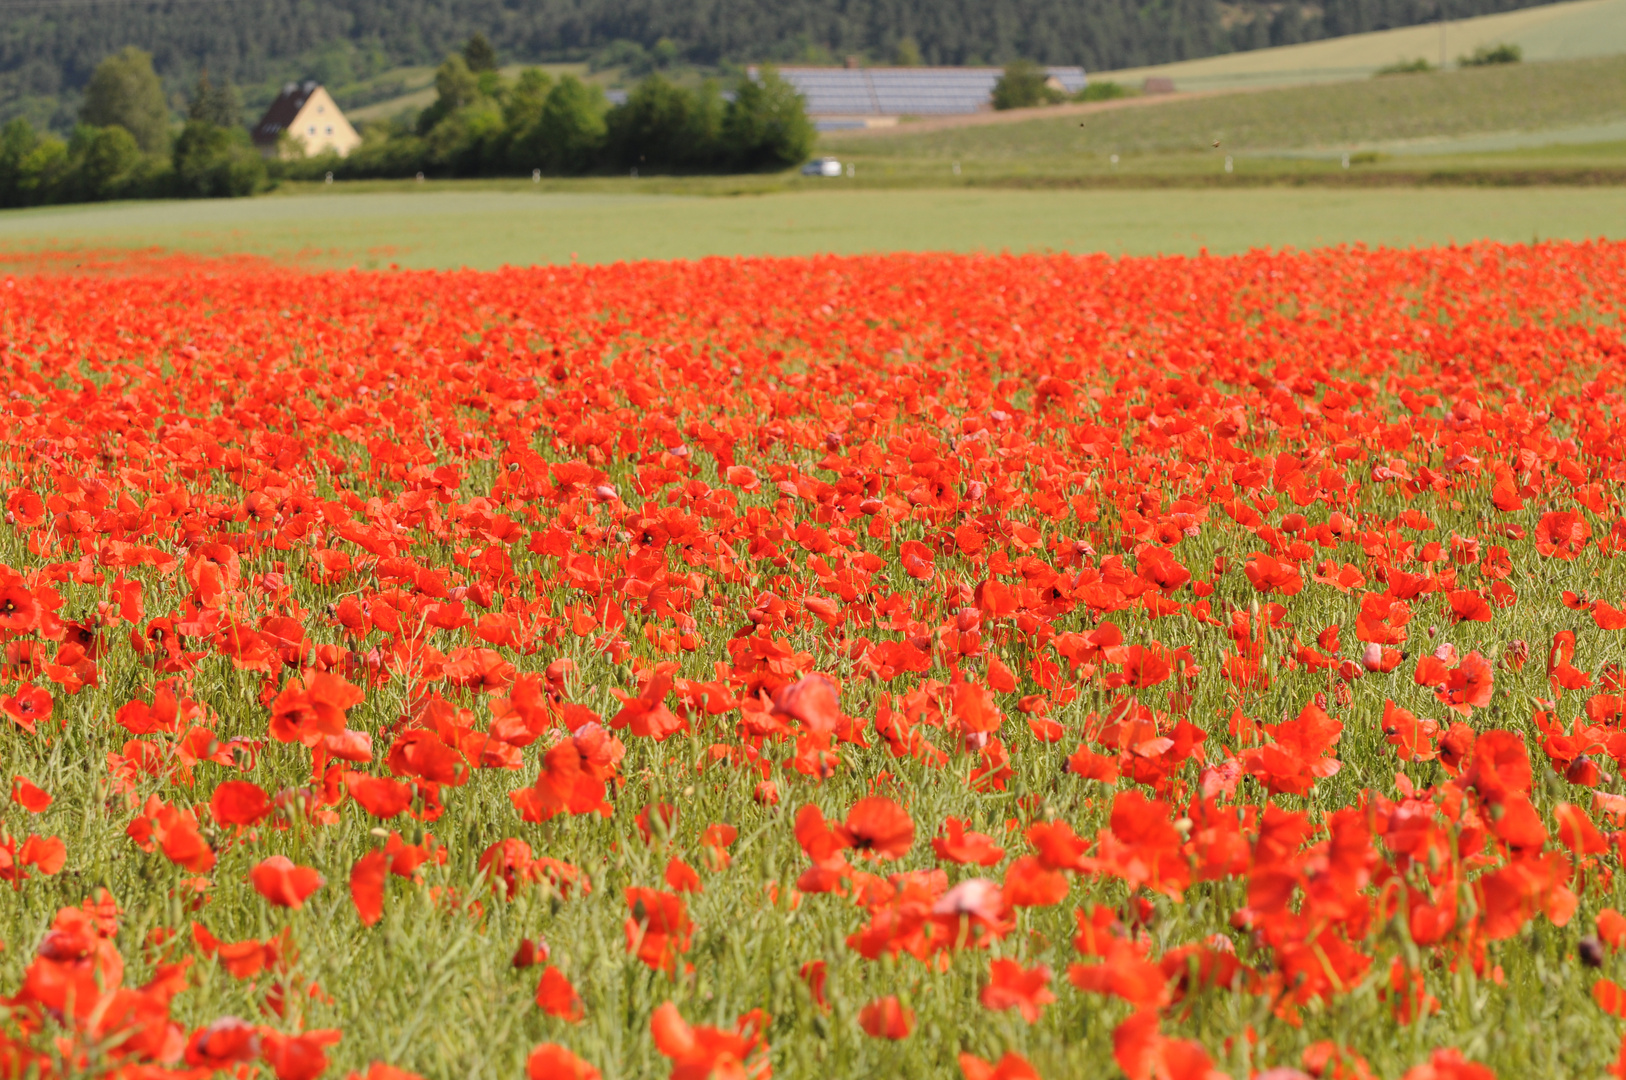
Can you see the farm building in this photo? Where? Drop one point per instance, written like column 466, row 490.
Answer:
column 308, row 115
column 856, row 96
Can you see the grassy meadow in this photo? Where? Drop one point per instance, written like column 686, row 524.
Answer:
column 1272, row 128
column 1568, row 31
column 450, row 225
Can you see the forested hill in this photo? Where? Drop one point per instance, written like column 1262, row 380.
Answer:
column 48, row 48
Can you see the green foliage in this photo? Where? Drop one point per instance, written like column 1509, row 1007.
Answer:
column 621, row 53
column 217, row 105
column 665, row 53
column 1102, row 90
column 568, row 134
column 482, row 125
column 766, row 125
column 214, row 162
column 338, row 63
column 125, row 91
column 522, row 106
column 385, row 150
column 634, row 59
column 108, row 164
column 455, row 87
column 1405, row 67
column 1486, row 55
column 665, row 126
column 466, row 141
column 907, row 53
column 1024, row 85
column 96, row 164
column 32, row 168
column 479, row 55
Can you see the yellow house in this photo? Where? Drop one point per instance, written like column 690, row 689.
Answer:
column 307, row 114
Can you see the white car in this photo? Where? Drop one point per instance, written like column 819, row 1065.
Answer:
column 824, row 166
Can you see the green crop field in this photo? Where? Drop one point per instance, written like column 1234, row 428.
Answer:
column 1181, row 134
column 453, row 225
column 1582, row 28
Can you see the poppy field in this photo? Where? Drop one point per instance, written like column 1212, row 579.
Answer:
column 907, row 665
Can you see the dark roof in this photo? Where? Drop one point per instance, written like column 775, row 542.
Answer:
column 831, row 91
column 283, row 110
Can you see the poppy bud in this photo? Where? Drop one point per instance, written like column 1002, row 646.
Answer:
column 530, row 953
column 1590, row 950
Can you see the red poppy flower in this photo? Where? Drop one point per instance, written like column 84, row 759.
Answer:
column 886, row 1018
column 1010, row 986
column 816, row 973
column 815, row 700
column 224, row 1043
column 29, row 706
column 312, row 707
column 680, row 877
column 26, row 795
column 19, row 610
column 550, row 1061
column 282, row 883
column 1561, row 534
column 380, row 1071
column 557, row 997
column 960, row 846
column 699, row 1051
column 183, row 845
column 239, row 802
column 1012, row 1066
column 658, row 927
column 1468, row 686
column 367, row 886
column 297, row 1057
column 1028, row 883
column 379, row 796
column 1449, row 1064
column 879, row 827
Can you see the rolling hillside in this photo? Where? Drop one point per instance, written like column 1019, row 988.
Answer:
column 1567, row 31
column 1498, row 108
column 48, row 48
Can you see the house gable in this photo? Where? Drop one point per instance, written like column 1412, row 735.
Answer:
column 309, row 116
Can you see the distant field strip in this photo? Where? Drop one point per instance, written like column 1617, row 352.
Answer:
column 1570, row 31
column 1493, row 100
column 485, row 229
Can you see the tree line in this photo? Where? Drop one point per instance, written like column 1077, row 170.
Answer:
column 125, row 145
column 47, row 52
column 482, row 124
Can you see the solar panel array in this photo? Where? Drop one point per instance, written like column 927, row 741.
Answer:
column 905, row 91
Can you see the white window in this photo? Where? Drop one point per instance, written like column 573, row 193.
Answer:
column 313, row 129
column 330, row 131
column 321, row 108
